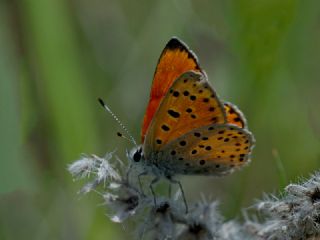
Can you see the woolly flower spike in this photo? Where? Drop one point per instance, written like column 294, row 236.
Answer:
column 232, row 230
column 168, row 220
column 295, row 216
column 122, row 198
column 98, row 168
column 202, row 223
column 159, row 224
column 123, row 205
column 82, row 168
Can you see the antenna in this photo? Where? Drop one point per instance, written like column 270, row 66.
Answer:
column 118, row 121
column 119, row 134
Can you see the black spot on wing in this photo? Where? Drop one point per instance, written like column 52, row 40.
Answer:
column 202, row 162
column 165, row 128
column 176, row 94
column 197, row 134
column 173, row 113
column 186, row 93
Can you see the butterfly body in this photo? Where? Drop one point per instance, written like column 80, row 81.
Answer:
column 187, row 129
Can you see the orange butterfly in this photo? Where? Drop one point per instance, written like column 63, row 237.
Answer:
column 187, row 129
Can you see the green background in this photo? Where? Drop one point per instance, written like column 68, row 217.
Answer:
column 57, row 57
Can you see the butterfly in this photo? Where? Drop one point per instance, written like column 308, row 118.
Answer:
column 187, row 129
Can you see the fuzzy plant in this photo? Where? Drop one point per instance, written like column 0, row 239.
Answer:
column 294, row 215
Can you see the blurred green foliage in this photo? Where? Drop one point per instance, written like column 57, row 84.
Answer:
column 58, row 56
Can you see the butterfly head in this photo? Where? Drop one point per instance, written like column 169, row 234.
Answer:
column 136, row 154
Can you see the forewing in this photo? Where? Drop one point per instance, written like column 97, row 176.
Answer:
column 190, row 103
column 176, row 58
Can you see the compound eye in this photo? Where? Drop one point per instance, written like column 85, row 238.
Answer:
column 137, row 156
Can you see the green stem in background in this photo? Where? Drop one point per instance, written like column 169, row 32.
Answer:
column 281, row 170
column 13, row 171
column 61, row 86
column 66, row 125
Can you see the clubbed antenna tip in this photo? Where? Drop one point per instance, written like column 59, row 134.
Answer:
column 101, row 102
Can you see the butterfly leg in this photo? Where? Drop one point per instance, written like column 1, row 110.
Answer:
column 139, row 180
column 130, row 166
column 128, row 172
column 154, row 181
column 182, row 192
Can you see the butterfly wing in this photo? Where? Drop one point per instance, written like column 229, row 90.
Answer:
column 175, row 59
column 210, row 150
column 190, row 103
column 234, row 115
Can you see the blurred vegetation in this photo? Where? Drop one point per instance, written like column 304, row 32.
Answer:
column 58, row 56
